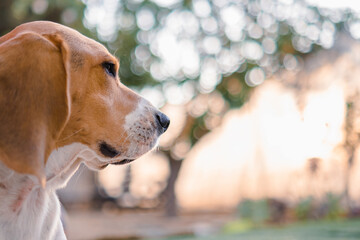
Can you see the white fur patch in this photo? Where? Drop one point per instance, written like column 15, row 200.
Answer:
column 141, row 130
column 134, row 115
column 61, row 164
column 27, row 211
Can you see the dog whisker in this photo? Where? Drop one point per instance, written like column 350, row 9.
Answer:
column 67, row 137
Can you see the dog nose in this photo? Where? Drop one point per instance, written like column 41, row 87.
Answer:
column 163, row 121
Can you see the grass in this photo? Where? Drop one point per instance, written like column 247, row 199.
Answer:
column 324, row 230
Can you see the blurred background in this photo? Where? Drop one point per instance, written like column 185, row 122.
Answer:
column 263, row 97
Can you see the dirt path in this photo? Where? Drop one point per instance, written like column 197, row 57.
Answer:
column 89, row 225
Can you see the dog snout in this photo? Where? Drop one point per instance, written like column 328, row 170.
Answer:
column 162, row 121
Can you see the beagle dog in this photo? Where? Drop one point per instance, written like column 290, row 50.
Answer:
column 61, row 104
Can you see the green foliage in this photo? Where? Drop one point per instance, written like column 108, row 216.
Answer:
column 304, row 208
column 334, row 210
column 256, row 211
column 260, row 212
column 234, row 90
column 327, row 208
column 238, row 226
column 16, row 12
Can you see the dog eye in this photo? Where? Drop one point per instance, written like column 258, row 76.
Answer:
column 109, row 68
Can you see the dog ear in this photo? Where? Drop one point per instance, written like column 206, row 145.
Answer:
column 34, row 100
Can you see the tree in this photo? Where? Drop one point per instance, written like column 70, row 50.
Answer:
column 16, row 12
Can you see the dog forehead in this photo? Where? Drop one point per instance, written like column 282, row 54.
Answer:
column 77, row 42
column 82, row 46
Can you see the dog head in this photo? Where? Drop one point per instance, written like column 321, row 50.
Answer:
column 58, row 87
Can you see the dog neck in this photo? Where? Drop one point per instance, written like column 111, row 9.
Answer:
column 25, row 204
column 61, row 165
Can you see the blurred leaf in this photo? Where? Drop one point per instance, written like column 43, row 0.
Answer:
column 238, row 226
column 255, row 211
column 304, row 208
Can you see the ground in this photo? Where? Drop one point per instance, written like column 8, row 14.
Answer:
column 324, row 230
column 120, row 225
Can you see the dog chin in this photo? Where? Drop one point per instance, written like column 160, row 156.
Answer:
column 99, row 161
column 101, row 165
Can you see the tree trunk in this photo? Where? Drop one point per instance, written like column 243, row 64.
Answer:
column 351, row 143
column 346, row 194
column 168, row 196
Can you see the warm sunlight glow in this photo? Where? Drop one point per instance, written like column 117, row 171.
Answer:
column 265, row 148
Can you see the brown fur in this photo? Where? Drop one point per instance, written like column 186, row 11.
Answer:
column 53, row 92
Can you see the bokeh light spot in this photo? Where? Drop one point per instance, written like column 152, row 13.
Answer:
column 255, row 77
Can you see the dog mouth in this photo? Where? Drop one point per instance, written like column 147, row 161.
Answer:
column 122, row 162
column 108, row 151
